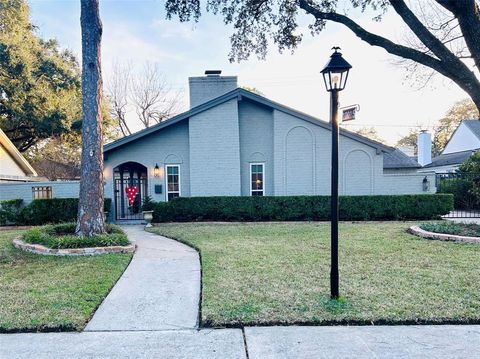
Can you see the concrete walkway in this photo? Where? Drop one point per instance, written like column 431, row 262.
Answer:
column 159, row 290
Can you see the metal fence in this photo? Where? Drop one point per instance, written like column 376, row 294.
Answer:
column 465, row 188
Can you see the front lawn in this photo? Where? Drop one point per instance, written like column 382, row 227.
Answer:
column 279, row 273
column 45, row 293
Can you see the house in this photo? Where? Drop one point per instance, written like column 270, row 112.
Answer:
column 13, row 166
column 464, row 142
column 232, row 142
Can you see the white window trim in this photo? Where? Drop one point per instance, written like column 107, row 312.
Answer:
column 250, row 178
column 179, row 182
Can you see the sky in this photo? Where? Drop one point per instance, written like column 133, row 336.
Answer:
column 136, row 32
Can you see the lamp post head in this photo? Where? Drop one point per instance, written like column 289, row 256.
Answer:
column 335, row 72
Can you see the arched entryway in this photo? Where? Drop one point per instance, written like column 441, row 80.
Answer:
column 130, row 188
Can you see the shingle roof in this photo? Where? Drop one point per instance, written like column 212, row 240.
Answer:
column 397, row 160
column 474, row 126
column 449, row 159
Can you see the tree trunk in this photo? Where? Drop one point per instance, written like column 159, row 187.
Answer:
column 90, row 209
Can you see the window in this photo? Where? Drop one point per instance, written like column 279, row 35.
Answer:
column 257, row 179
column 42, row 192
column 173, row 181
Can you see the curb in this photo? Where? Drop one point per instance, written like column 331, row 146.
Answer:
column 40, row 249
column 441, row 236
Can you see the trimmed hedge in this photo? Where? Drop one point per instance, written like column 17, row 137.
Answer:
column 9, row 211
column 303, row 208
column 54, row 210
column 62, row 235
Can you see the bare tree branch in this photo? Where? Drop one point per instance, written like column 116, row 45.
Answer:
column 152, row 96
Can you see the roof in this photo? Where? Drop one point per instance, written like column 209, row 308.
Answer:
column 449, row 159
column 397, row 160
column 474, row 126
column 16, row 155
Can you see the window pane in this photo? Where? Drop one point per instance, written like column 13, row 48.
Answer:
column 257, row 179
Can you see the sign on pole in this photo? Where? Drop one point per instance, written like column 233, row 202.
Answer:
column 349, row 112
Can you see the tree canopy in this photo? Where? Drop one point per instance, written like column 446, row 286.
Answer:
column 444, row 33
column 39, row 83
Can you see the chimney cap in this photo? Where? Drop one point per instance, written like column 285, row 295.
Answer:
column 213, row 72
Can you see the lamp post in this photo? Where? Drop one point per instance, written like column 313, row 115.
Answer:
column 335, row 75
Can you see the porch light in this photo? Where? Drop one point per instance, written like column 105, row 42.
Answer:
column 156, row 171
column 335, row 72
column 426, row 184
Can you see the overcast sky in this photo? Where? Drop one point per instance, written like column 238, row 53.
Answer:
column 136, row 32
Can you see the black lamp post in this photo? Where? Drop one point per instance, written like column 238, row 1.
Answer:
column 335, row 75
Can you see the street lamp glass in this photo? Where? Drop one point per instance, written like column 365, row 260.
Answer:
column 335, row 72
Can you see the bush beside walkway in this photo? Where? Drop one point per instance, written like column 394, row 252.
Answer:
column 303, row 208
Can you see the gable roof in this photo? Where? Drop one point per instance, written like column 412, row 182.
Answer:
column 398, row 160
column 474, row 126
column 449, row 159
column 16, row 155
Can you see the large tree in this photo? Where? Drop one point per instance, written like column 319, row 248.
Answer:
column 447, row 31
column 39, row 83
column 90, row 209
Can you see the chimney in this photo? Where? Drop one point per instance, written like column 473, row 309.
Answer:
column 424, row 141
column 213, row 85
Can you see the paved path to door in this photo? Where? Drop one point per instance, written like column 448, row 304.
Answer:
column 159, row 290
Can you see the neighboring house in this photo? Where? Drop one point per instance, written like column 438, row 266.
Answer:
column 233, row 142
column 13, row 166
column 464, row 142
column 18, row 179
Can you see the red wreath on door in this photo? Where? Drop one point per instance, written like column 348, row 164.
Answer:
column 131, row 194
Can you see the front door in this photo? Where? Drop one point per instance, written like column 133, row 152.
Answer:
column 129, row 196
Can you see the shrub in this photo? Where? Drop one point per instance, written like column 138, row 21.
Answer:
column 302, row 208
column 54, row 210
column 462, row 190
column 9, row 211
column 447, row 227
column 62, row 235
column 148, row 204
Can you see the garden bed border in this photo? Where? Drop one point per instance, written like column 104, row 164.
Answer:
column 91, row 251
column 416, row 230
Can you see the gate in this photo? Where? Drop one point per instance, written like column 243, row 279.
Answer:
column 129, row 196
column 465, row 188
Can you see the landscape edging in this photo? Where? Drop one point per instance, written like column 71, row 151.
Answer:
column 40, row 249
column 416, row 230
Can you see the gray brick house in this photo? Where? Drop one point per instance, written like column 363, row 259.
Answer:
column 233, row 142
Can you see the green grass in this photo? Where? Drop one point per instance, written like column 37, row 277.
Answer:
column 279, row 273
column 447, row 227
column 46, row 293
